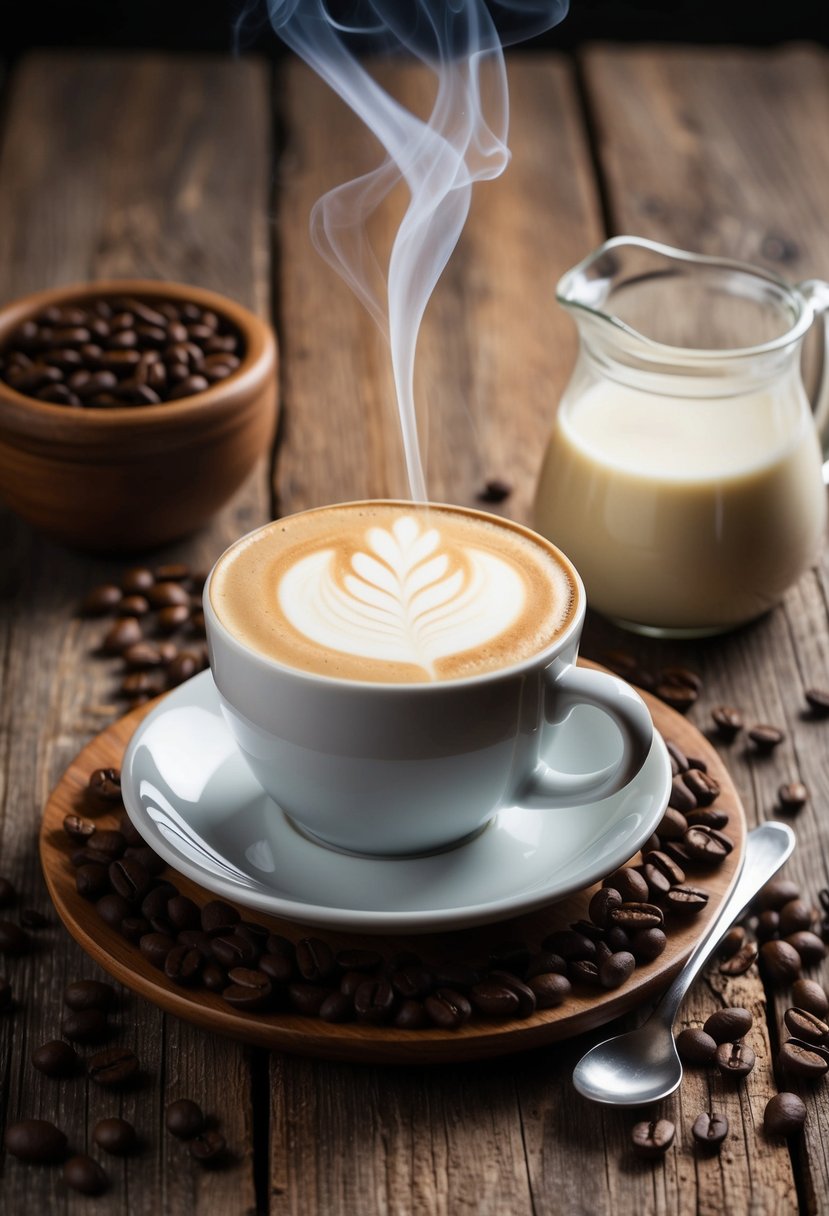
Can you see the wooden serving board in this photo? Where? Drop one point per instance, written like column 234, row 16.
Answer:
column 480, row 1038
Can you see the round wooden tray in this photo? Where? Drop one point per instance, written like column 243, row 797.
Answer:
column 311, row 1036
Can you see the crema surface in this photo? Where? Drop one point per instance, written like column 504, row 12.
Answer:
column 393, row 592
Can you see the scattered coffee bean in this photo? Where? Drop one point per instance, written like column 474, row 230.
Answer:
column 798, row 1059
column 695, row 1046
column 733, row 940
column 78, row 829
column 100, row 600
column 84, row 1174
column 208, row 1147
column 768, row 925
column 784, row 1115
column 114, row 1066
column 818, row 701
column 85, row 1025
column 808, row 945
column 741, row 962
column 766, row 738
column 35, row 1140
column 776, row 894
column 810, row 996
column 495, row 490
column 728, row 722
column 184, row 1119
column 727, row 1024
column 807, row 1027
column 115, row 1136
column 735, row 1059
column 652, row 1139
column 795, row 916
column 710, row 1129
column 792, row 797
column 780, row 962
column 55, row 1058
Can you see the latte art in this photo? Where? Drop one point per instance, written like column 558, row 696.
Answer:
column 394, row 592
column 407, row 598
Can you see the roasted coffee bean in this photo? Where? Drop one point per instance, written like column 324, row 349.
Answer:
column 183, row 965
column 315, row 959
column 113, row 908
column 55, row 1058
column 818, row 701
column 647, row 944
column 681, row 798
column 214, row 977
column 795, row 916
column 281, row 968
column 676, row 850
column 105, row 784
column 741, row 962
column 155, row 947
column 707, row 817
column 588, row 929
column 165, row 594
column 806, row 1026
column 728, row 1024
column 78, row 829
column 784, row 1115
column 124, row 633
column 731, row 943
column 85, row 1025
column 551, row 989
column 374, row 1001
column 634, row 916
column 412, row 982
column 802, row 1060
column 91, row 880
column 183, row 913
column 101, row 600
column 155, row 901
column 254, row 933
column 704, row 787
column 679, row 761
column 710, row 1129
column 208, row 1147
column 84, row 1174
column 617, row 938
column 35, row 1140
column 89, row 994
column 8, row 894
column 629, row 883
column 13, row 939
column 569, row 945
column 768, row 925
column 337, row 1008
column 735, row 1059
column 218, row 917
column 584, row 971
column 447, row 1008
column 148, row 857
column 765, row 737
column 173, row 617
column 679, row 696
column 543, row 963
column 616, row 970
column 142, row 656
column 776, row 894
column 659, row 862
column 137, row 581
column 138, row 684
column 89, row 855
column 695, row 1046
column 809, row 995
column 652, row 1139
column 808, row 945
column 181, row 668
column 526, row 996
column 780, row 962
column 410, row 1016
column 134, row 605
column 130, row 879
column 704, row 846
column 248, row 988
column 673, row 825
column 307, row 998
column 115, row 1136
column 133, row 928
column 184, row 1119
column 792, row 797
column 728, row 722
column 114, row 1066
column 111, row 842
column 232, row 950
column 196, row 939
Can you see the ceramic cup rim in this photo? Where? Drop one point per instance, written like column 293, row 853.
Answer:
column 543, row 657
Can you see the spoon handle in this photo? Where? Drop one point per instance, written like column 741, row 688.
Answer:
column 767, row 847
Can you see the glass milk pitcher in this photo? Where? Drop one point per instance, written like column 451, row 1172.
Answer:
column 684, row 473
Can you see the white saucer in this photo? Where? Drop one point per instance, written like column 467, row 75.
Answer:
column 192, row 797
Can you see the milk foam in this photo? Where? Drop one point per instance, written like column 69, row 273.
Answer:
column 394, row 592
column 409, row 599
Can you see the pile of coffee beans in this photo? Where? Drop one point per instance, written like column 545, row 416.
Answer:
column 213, row 947
column 117, row 352
column 677, row 686
column 156, row 629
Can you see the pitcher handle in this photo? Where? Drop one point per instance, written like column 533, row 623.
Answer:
column 816, row 292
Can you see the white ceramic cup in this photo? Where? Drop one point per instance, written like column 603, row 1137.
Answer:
column 390, row 769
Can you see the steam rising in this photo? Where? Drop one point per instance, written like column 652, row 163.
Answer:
column 464, row 141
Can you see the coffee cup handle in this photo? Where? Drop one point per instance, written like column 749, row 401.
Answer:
column 567, row 687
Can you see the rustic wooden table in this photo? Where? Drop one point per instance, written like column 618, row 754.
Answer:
column 204, row 170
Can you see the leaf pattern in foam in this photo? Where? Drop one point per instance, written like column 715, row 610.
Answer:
column 407, row 598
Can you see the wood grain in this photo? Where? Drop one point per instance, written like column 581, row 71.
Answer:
column 114, row 165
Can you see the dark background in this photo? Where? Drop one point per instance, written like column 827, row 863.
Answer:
column 209, row 24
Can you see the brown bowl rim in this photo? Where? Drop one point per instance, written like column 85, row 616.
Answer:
column 260, row 350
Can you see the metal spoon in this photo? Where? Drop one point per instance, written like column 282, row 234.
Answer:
column 643, row 1066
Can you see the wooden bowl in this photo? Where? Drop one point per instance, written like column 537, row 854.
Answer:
column 134, row 477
